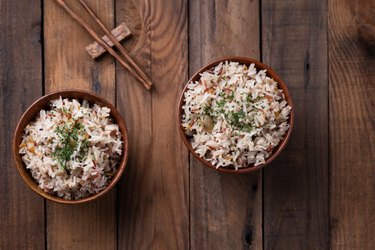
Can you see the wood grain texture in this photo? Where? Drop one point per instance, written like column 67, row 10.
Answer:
column 21, row 210
column 352, row 123
column 67, row 65
column 153, row 197
column 135, row 195
column 225, row 209
column 296, row 208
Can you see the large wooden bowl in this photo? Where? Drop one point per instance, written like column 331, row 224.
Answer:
column 43, row 103
column 281, row 84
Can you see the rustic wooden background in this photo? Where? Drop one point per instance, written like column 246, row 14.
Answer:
column 319, row 194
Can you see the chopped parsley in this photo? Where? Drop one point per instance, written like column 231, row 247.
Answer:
column 247, row 128
column 70, row 141
column 236, row 119
column 221, row 103
column 207, row 110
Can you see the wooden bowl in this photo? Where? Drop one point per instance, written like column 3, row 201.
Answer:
column 43, row 103
column 281, row 84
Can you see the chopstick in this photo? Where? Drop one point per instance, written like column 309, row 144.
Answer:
column 146, row 82
column 115, row 42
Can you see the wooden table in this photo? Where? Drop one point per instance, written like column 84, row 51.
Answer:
column 318, row 194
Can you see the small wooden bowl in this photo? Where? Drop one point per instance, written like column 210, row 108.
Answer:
column 43, row 103
column 281, row 84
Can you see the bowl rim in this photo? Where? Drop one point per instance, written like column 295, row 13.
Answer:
column 271, row 73
column 66, row 93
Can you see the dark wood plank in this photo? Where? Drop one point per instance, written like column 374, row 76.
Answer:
column 296, row 185
column 21, row 210
column 225, row 210
column 153, row 197
column 352, row 123
column 67, row 65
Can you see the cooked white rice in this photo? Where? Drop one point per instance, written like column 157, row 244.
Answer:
column 72, row 150
column 235, row 115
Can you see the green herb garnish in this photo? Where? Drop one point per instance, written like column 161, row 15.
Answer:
column 207, row 110
column 70, row 138
column 247, row 128
column 237, row 120
column 221, row 103
column 234, row 118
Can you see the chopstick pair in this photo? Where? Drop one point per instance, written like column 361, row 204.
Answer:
column 133, row 68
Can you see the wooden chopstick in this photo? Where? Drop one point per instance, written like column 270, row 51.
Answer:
column 115, row 42
column 102, row 43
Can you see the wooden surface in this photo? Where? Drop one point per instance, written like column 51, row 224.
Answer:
column 318, row 194
column 295, row 201
column 154, row 205
column 21, row 211
column 352, row 120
